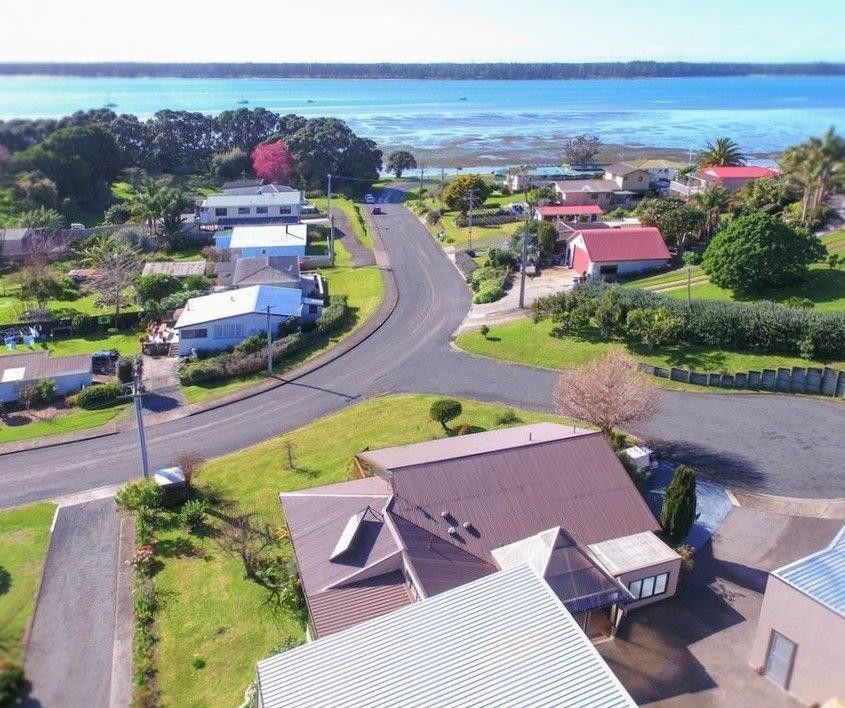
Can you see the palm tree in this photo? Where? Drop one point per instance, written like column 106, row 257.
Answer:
column 152, row 202
column 800, row 168
column 712, row 201
column 721, row 152
column 829, row 153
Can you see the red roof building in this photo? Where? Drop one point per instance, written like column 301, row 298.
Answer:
column 431, row 515
column 731, row 177
column 609, row 252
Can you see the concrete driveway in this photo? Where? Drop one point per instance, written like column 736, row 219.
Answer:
column 551, row 280
column 79, row 651
column 692, row 650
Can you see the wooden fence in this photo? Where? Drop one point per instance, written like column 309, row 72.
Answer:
column 820, row 381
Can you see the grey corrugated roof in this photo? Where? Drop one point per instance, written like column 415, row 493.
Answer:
column 622, row 168
column 503, row 640
column 266, row 270
column 820, row 575
column 178, row 269
column 40, row 365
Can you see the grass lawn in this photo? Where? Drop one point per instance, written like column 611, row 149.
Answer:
column 126, row 343
column 824, row 287
column 210, row 611
column 525, row 342
column 353, row 213
column 77, row 419
column 24, row 537
column 364, row 289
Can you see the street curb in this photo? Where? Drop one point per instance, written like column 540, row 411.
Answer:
column 386, row 308
column 120, row 689
column 38, row 586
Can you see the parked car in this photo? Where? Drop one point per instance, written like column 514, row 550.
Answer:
column 103, row 360
column 369, row 199
column 377, row 210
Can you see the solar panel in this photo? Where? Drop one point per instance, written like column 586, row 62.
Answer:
column 347, row 537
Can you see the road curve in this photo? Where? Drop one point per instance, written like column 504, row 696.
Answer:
column 778, row 444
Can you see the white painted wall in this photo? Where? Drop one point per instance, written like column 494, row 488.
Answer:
column 64, row 385
column 253, row 323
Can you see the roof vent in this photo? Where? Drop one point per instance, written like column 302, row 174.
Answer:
column 453, row 531
column 444, row 514
column 467, row 525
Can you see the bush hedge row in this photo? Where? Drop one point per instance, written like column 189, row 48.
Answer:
column 763, row 326
column 246, row 360
column 97, row 395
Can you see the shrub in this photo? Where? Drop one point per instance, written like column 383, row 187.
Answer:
column 484, row 330
column 156, row 286
column 82, row 324
column 465, row 429
column 11, row 681
column 433, row 216
column 252, row 344
column 196, row 283
column 490, row 292
column 192, row 514
column 618, row 441
column 444, row 409
column 499, row 258
column 508, row 417
column 139, row 495
column 198, row 662
column 803, row 303
column 190, row 462
column 99, row 395
column 653, row 327
column 692, row 258
column 201, row 372
column 125, row 365
column 177, row 300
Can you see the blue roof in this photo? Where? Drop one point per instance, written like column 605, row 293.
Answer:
column 820, row 575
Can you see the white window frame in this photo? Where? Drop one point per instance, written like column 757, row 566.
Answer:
column 228, row 330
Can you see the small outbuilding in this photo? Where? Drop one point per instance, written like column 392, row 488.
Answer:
column 19, row 371
column 178, row 269
column 598, row 253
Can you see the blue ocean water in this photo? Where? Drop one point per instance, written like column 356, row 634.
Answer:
column 762, row 113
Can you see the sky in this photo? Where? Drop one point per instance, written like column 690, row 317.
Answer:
column 425, row 30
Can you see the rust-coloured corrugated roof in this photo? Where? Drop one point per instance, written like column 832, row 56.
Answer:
column 506, row 495
column 349, row 605
column 335, row 590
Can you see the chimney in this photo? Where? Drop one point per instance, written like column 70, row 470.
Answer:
column 453, row 531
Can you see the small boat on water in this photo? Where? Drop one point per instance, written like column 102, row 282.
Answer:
column 462, row 98
column 109, row 103
column 310, row 100
column 243, row 102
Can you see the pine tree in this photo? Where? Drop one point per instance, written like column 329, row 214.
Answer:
column 679, row 503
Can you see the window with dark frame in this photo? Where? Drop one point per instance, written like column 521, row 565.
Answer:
column 651, row 586
column 220, row 211
column 260, row 210
column 243, row 210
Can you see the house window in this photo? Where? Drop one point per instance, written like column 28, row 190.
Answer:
column 228, row 331
column 260, row 210
column 243, row 210
column 284, row 210
column 220, row 211
column 649, row 587
column 194, row 334
column 640, row 178
column 779, row 659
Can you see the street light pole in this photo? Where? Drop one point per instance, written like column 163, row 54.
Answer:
column 524, row 258
column 329, row 209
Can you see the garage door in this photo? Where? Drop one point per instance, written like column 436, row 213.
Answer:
column 779, row 661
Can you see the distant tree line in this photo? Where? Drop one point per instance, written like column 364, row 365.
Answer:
column 78, row 156
column 308, row 70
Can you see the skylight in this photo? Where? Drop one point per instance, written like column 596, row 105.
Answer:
column 350, row 531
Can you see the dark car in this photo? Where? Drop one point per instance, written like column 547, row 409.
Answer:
column 377, row 210
column 103, row 360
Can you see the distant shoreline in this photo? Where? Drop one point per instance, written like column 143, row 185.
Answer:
column 422, row 71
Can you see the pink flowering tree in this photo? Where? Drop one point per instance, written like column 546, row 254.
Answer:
column 272, row 161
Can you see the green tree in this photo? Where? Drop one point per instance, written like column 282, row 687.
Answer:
column 445, row 409
column 232, row 164
column 38, row 284
column 581, row 150
column 712, row 201
column 78, row 159
column 679, row 222
column 721, row 152
column 462, row 190
column 758, row 251
column 679, row 503
column 153, row 202
column 399, row 161
column 610, row 313
column 156, row 286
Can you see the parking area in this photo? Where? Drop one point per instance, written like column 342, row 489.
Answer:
column 693, row 650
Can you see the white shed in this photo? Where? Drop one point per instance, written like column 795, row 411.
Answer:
column 18, row 371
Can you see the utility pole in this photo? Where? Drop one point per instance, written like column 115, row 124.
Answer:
column 329, row 214
column 524, row 257
column 471, row 195
column 139, row 416
column 331, row 238
column 269, row 345
column 422, row 172
column 689, row 283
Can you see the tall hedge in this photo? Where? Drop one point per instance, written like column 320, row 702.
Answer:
column 763, row 326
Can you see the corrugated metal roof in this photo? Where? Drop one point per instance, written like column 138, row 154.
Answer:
column 586, row 185
column 269, row 236
column 503, row 640
column 232, row 303
column 266, row 270
column 640, row 550
column 621, row 169
column 263, row 199
column 40, row 365
column 820, row 575
column 556, row 210
column 392, row 458
column 510, row 494
column 178, row 269
column 644, row 243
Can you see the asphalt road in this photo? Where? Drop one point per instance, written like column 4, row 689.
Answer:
column 783, row 445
